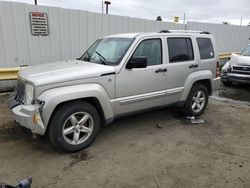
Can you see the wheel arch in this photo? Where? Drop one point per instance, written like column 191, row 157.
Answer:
column 204, row 77
column 91, row 93
column 207, row 83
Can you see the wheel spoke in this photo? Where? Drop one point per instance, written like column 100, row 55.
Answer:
column 198, row 106
column 85, row 129
column 198, row 94
column 73, row 120
column 84, row 119
column 76, row 136
column 68, row 130
column 194, row 105
column 202, row 99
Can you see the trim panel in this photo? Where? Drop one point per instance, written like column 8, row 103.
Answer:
column 147, row 96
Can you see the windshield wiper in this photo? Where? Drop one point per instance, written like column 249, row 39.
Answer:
column 103, row 60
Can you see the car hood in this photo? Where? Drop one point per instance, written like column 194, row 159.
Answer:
column 63, row 71
column 239, row 60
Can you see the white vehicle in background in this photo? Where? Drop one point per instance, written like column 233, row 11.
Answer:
column 237, row 69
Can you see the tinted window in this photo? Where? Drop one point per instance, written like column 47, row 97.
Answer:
column 151, row 49
column 206, row 48
column 180, row 49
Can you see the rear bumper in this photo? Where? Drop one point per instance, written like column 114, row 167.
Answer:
column 217, row 82
column 27, row 115
column 241, row 78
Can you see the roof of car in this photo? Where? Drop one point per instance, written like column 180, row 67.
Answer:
column 163, row 32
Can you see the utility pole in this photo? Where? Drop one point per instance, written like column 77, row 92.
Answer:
column 35, row 2
column 240, row 21
column 107, row 6
column 102, row 6
column 184, row 18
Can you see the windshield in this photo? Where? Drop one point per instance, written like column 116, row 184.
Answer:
column 107, row 51
column 246, row 51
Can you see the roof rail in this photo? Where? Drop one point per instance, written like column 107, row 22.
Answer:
column 164, row 31
column 183, row 31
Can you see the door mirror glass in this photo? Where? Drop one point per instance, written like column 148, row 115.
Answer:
column 137, row 62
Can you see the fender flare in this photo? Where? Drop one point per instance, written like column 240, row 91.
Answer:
column 194, row 77
column 54, row 97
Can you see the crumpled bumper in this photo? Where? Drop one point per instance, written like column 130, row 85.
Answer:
column 241, row 78
column 27, row 116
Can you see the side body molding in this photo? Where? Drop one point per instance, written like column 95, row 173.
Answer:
column 192, row 78
column 54, row 97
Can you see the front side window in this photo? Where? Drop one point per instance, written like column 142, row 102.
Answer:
column 108, row 51
column 151, row 49
column 246, row 51
column 206, row 48
column 180, row 49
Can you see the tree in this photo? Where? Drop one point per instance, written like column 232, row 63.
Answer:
column 226, row 22
column 158, row 18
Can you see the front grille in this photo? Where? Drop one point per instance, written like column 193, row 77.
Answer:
column 241, row 69
column 20, row 89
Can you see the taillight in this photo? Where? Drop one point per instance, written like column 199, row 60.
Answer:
column 217, row 69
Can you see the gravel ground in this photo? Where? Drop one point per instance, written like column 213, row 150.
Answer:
column 154, row 149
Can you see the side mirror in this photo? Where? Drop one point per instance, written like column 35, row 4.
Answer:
column 137, row 62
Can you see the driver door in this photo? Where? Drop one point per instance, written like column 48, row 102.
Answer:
column 142, row 88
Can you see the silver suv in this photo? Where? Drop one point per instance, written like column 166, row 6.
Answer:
column 118, row 75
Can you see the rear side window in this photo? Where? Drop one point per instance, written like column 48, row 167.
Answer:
column 206, row 48
column 180, row 49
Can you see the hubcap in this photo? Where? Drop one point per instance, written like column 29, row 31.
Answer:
column 198, row 101
column 77, row 128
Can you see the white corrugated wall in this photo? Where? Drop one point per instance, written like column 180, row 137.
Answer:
column 72, row 31
column 229, row 38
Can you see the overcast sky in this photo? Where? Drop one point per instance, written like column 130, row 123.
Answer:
column 214, row 11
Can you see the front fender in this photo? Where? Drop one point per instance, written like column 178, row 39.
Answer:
column 54, row 97
column 194, row 77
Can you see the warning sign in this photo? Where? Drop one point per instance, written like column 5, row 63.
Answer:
column 39, row 23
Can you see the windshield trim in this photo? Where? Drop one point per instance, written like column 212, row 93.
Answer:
column 246, row 48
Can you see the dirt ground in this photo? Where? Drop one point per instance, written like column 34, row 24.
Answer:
column 135, row 152
column 239, row 92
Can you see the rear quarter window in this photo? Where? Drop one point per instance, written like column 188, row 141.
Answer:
column 205, row 47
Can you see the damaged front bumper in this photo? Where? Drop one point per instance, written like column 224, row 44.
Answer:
column 27, row 115
column 232, row 77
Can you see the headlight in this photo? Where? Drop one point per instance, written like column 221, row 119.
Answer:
column 29, row 93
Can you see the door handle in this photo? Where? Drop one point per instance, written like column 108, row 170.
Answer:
column 193, row 66
column 160, row 70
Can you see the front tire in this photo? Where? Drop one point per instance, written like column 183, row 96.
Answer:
column 74, row 126
column 197, row 101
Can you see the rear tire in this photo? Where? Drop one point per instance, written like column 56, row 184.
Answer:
column 197, row 101
column 74, row 126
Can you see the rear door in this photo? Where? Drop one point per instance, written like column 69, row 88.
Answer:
column 181, row 63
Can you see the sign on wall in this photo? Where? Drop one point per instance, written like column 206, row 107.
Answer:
column 39, row 23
